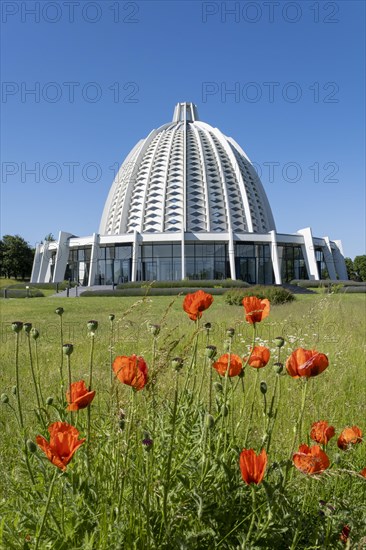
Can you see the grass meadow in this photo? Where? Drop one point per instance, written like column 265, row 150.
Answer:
column 160, row 467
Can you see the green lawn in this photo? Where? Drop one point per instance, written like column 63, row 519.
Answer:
column 198, row 511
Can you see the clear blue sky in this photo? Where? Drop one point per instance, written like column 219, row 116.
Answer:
column 107, row 72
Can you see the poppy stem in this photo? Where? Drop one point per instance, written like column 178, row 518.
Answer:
column 297, row 531
column 38, row 371
column 62, row 359
column 34, row 379
column 210, row 361
column 111, row 343
column 253, row 516
column 21, row 422
column 89, row 410
column 170, row 456
column 251, row 407
column 46, row 510
column 69, row 375
column 272, row 415
column 128, row 440
column 298, row 427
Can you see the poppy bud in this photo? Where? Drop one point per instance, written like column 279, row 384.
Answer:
column 147, row 444
column 278, row 368
column 32, row 447
column 224, row 410
column 111, row 317
column 177, row 363
column 210, row 421
column 337, row 458
column 67, row 349
column 4, row 398
column 16, row 326
column 208, row 326
column 210, row 351
column 230, row 332
column 14, row 390
column 263, row 388
column 34, row 333
column 154, row 329
column 92, row 326
column 279, row 341
column 27, row 327
column 49, row 400
column 218, row 387
column 59, row 310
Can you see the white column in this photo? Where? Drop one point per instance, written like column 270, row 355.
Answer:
column 36, row 263
column 328, row 258
column 183, row 256
column 62, row 257
column 275, row 259
column 310, row 253
column 93, row 259
column 44, row 264
column 231, row 251
column 135, row 256
column 339, row 263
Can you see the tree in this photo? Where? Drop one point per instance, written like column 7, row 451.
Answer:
column 359, row 264
column 16, row 257
column 49, row 238
column 350, row 269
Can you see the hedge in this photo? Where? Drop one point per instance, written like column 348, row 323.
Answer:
column 22, row 293
column 276, row 295
column 150, row 292
column 190, row 283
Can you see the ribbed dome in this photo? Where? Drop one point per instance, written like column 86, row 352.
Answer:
column 186, row 176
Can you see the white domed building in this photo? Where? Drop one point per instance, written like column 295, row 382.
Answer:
column 187, row 203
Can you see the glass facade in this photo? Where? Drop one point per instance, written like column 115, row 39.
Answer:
column 114, row 265
column 160, row 262
column 206, row 261
column 78, row 266
column 293, row 264
column 253, row 263
column 322, row 268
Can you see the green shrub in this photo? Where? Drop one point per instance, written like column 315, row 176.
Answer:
column 324, row 283
column 145, row 291
column 22, row 293
column 275, row 294
column 43, row 286
column 188, row 283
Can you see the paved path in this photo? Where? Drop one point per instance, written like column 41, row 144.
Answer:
column 75, row 291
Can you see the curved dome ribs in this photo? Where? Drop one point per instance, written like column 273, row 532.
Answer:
column 187, row 176
column 172, row 219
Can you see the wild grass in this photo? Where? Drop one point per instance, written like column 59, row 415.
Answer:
column 186, row 491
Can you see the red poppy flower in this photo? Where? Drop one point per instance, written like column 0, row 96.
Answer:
column 321, row 432
column 259, row 357
column 255, row 309
column 306, row 362
column 311, row 460
column 131, row 371
column 349, row 436
column 197, row 302
column 252, row 466
column 363, row 472
column 222, row 364
column 345, row 533
column 63, row 443
column 79, row 397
